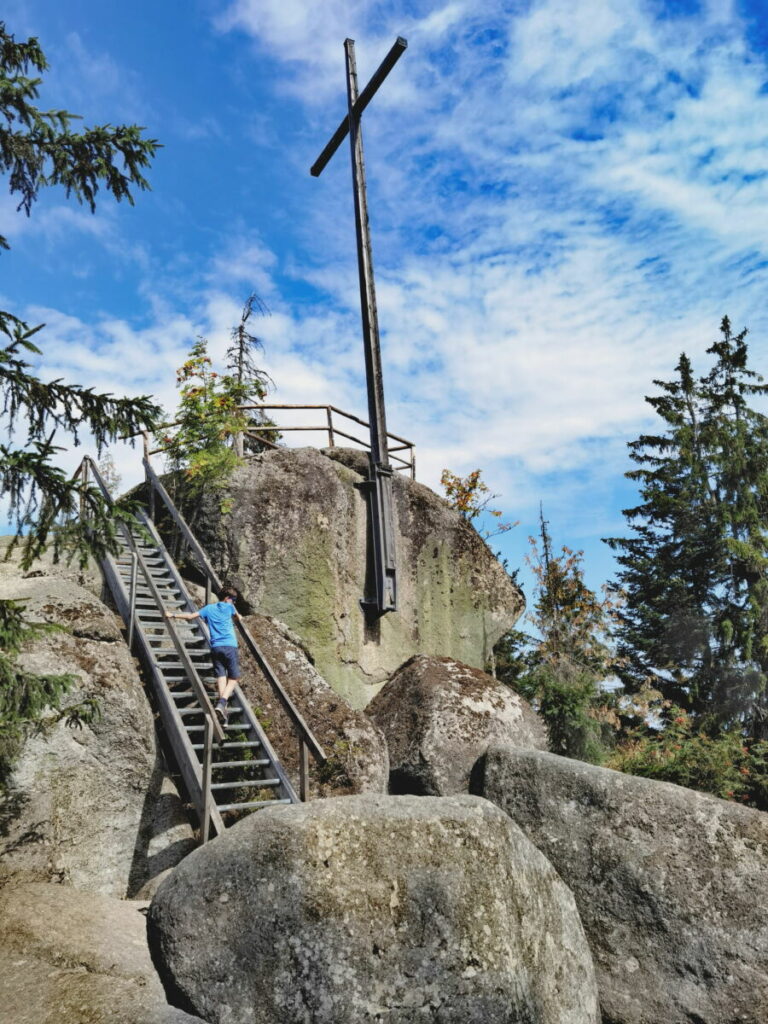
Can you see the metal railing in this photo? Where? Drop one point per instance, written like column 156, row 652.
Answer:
column 307, row 742
column 400, row 451
column 213, row 728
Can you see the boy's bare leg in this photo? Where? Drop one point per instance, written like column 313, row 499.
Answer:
column 229, row 689
column 221, row 685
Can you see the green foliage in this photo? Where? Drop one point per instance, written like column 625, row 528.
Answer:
column 43, row 502
column 559, row 669
column 723, row 764
column 694, row 570
column 39, row 148
column 28, row 700
column 250, row 384
column 207, row 440
column 471, row 497
column 335, row 771
column 208, row 418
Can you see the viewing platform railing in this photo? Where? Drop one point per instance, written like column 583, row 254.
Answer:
column 401, row 452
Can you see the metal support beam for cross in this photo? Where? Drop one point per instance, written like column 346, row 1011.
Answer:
column 379, row 483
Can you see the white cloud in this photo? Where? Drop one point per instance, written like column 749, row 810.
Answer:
column 563, row 197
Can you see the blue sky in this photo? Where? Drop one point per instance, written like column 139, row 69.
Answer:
column 563, row 197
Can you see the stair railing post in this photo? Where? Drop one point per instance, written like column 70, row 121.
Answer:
column 207, row 795
column 82, row 492
column 303, row 770
column 134, row 575
column 148, row 478
column 331, row 438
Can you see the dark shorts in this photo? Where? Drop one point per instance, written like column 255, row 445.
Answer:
column 225, row 662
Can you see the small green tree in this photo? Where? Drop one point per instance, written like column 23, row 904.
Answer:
column 725, row 764
column 560, row 668
column 251, row 383
column 205, row 442
column 207, row 420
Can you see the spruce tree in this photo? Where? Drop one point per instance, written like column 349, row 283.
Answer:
column 39, row 149
column 693, row 571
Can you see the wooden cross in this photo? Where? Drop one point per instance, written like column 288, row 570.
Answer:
column 379, row 472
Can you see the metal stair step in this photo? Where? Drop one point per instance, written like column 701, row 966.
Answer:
column 156, row 574
column 246, row 784
column 241, row 764
column 255, row 803
column 245, row 727
column 204, row 671
column 164, row 588
column 232, row 745
column 172, row 650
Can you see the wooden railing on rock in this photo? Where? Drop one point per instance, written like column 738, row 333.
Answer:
column 401, row 452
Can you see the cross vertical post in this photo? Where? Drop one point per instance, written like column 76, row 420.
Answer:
column 379, row 484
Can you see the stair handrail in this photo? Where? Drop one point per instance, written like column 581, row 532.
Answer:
column 87, row 464
column 307, row 740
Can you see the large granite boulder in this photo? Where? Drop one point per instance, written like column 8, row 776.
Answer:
column 439, row 716
column 671, row 885
column 73, row 957
column 373, row 908
column 356, row 749
column 92, row 806
column 295, row 541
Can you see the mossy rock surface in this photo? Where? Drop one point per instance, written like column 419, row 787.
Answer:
column 295, row 541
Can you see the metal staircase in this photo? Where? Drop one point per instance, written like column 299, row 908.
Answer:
column 228, row 769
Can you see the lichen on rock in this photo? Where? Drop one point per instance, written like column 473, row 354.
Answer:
column 670, row 884
column 296, row 542
column 439, row 716
column 371, row 908
column 91, row 806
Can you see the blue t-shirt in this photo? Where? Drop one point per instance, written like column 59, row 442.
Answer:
column 220, row 625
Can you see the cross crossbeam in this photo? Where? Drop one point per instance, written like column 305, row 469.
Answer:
column 398, row 49
column 379, row 484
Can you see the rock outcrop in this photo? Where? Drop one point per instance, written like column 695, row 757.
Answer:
column 670, row 885
column 73, row 957
column 373, row 908
column 296, row 543
column 439, row 716
column 92, row 806
column 356, row 749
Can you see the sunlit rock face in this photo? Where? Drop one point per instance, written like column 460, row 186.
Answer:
column 294, row 538
column 670, row 884
column 439, row 716
column 78, row 958
column 91, row 806
column 362, row 909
